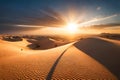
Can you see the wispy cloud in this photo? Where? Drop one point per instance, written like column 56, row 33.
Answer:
column 87, row 23
column 99, row 8
column 28, row 26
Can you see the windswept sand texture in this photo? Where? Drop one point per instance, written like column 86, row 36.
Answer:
column 91, row 58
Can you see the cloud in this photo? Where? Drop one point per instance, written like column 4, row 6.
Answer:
column 99, row 8
column 108, row 17
column 43, row 17
column 30, row 19
column 114, row 25
column 88, row 23
column 14, row 29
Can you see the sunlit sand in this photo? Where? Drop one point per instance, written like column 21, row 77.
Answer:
column 89, row 58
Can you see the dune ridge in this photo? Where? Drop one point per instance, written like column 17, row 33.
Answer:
column 105, row 51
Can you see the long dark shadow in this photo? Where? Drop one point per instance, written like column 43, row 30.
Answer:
column 49, row 76
column 105, row 52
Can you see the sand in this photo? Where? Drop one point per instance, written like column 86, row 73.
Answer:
column 92, row 58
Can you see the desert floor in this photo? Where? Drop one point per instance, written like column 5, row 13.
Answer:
column 90, row 58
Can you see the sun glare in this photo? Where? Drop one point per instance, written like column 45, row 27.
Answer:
column 71, row 27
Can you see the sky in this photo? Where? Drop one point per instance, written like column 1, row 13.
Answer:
column 25, row 15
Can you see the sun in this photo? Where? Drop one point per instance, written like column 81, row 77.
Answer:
column 72, row 27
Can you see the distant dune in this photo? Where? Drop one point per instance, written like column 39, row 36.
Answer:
column 90, row 58
column 110, row 36
column 42, row 43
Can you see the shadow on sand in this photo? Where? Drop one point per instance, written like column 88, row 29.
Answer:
column 50, row 73
column 105, row 52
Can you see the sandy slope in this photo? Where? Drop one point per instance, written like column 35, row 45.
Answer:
column 63, row 62
column 8, row 49
column 105, row 51
column 80, row 66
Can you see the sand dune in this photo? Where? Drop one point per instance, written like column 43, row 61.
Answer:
column 77, row 65
column 29, row 66
column 91, row 58
column 42, row 43
column 105, row 51
column 12, row 48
